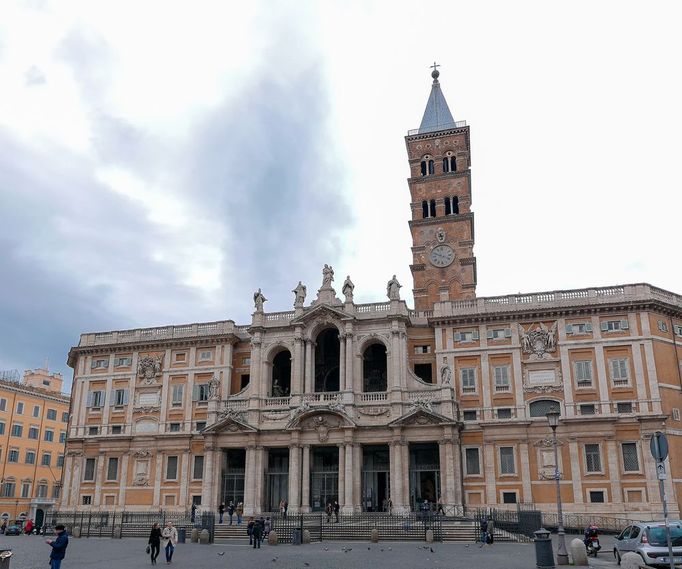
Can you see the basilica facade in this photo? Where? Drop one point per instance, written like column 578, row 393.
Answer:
column 378, row 404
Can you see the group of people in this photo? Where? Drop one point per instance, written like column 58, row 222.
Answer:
column 332, row 508
column 258, row 529
column 231, row 511
column 283, row 508
column 169, row 535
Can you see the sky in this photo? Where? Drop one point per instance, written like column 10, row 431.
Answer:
column 161, row 160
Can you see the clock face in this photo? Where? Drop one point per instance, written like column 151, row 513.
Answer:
column 442, row 256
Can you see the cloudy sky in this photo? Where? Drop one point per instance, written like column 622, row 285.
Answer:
column 161, row 160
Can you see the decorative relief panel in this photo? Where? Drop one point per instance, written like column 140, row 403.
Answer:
column 148, row 369
column 538, row 341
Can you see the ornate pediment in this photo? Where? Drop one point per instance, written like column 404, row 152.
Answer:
column 230, row 421
column 314, row 418
column 323, row 313
column 420, row 415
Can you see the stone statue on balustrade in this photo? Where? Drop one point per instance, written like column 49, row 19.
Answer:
column 347, row 289
column 299, row 292
column 214, row 388
column 393, row 289
column 445, row 375
column 327, row 276
column 258, row 300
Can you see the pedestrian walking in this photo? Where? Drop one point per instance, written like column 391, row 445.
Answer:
column 390, row 505
column 194, row 511
column 484, row 531
column 267, row 527
column 28, row 528
column 170, row 535
column 59, row 546
column 154, row 543
column 257, row 534
column 240, row 512
column 221, row 511
column 249, row 530
column 286, row 508
column 328, row 510
column 336, row 510
column 230, row 511
column 440, row 509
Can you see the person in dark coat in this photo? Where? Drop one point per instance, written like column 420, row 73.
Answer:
column 58, row 546
column 257, row 533
column 154, row 542
column 336, row 510
column 230, row 511
column 249, row 530
column 221, row 512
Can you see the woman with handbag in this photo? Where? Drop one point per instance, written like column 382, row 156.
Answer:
column 154, row 543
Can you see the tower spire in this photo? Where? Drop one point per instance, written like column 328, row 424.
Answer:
column 437, row 115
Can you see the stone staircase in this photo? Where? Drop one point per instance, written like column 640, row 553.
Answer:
column 467, row 531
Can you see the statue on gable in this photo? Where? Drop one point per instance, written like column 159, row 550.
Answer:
column 258, row 300
column 393, row 289
column 327, row 276
column 299, row 295
column 347, row 289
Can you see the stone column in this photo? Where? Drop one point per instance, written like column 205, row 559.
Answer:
column 123, row 480
column 297, row 383
column 294, row 497
column 184, row 477
column 396, row 476
column 309, row 351
column 343, row 385
column 226, row 386
column 349, row 361
column 489, row 470
column 256, row 379
column 250, row 482
column 101, row 459
column 341, row 488
column 66, row 488
column 357, row 477
column 348, row 492
column 261, row 462
column 405, row 460
column 207, row 480
column 305, row 480
column 445, row 481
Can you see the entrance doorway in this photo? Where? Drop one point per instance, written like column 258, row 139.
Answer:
column 233, row 468
column 277, row 478
column 376, row 477
column 424, row 474
column 324, row 477
column 40, row 516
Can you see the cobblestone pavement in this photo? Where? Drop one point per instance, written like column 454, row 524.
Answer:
column 104, row 553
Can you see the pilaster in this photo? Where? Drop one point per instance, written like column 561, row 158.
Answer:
column 305, row 480
column 575, row 472
column 184, row 477
column 341, row 490
column 343, row 385
column 101, row 459
column 123, row 480
column 294, row 497
column 348, row 492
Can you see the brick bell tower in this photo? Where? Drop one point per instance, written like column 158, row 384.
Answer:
column 442, row 225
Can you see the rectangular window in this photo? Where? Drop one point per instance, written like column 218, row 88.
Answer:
column 49, row 436
column 597, row 496
column 47, row 459
column 93, row 431
column 614, row 325
column 469, row 415
column 422, row 350
column 244, row 380
column 123, row 361
column 205, row 355
column 100, row 363
column 579, row 328
column 8, row 490
column 62, row 437
column 470, row 336
column 662, row 326
column 120, row 397
column 2, row 428
column 587, row 409
column 501, row 378
column 56, row 491
column 89, row 471
column 509, row 497
column 87, row 500
column 3, row 404
column 65, row 417
column 171, row 468
column 630, row 458
column 112, row 468
column 51, row 414
column 583, row 373
column 116, row 429
column 177, row 394
column 499, row 334
column 624, row 408
column 17, row 430
column 504, row 413
column 198, row 470
column 472, row 459
column 60, row 461
column 25, row 490
column 30, row 457
column 620, row 374
column 424, row 372
column 13, row 455
column 676, row 417
column 200, row 392
column 95, row 399
column 174, row 427
column 201, row 425
column 507, row 465
column 592, row 458
column 468, row 377
column 36, row 411
column 42, row 490
column 20, row 408
column 33, row 433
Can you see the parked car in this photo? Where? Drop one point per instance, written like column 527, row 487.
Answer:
column 648, row 539
column 13, row 530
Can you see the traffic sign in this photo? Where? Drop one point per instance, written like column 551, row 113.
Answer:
column 659, row 446
column 660, row 471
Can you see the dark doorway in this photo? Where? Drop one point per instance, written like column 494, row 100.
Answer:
column 233, row 468
column 277, row 478
column 376, row 476
column 374, row 368
column 324, row 477
column 327, row 361
column 424, row 474
column 281, row 374
column 40, row 516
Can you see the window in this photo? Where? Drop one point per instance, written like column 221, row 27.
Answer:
column 205, row 355
column 592, row 458
column 504, row 413
column 176, row 398
column 120, row 397
column 25, row 490
column 614, row 325
column 13, row 455
column 246, row 361
column 509, row 497
column 423, row 372
column 49, row 436
column 471, row 336
column 422, row 349
column 244, row 380
column 87, row 500
column 65, row 417
column 42, row 490
column 676, row 417
column 100, row 363
column 36, row 411
column 112, row 468
column 46, row 382
column 56, row 491
column 201, row 425
column 472, row 460
column 33, row 433
column 20, row 408
column 662, row 326
column 468, row 377
column 200, row 392
column 455, row 205
column 499, row 334
column 579, row 328
column 198, row 470
column 60, row 461
column 116, row 429
column 620, row 374
column 93, row 431
column 17, row 430
column 89, row 471
column 425, row 209
column 630, row 458
column 3, row 404
column 47, row 459
column 171, row 468
column 583, row 373
column 30, row 457
column 501, row 378
column 62, row 437
column 2, row 428
column 448, row 211
column 427, row 168
column 541, row 407
column 623, row 408
column 469, row 415
column 123, row 361
column 51, row 414
column 678, row 329
column 587, row 409
column 95, row 399
column 8, row 489
column 174, row 427
column 597, row 496
column 507, row 465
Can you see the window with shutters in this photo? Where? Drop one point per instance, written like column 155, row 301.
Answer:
column 13, row 455
column 468, row 379
column 36, row 411
column 65, row 417
column 2, row 427
column 198, row 468
column 123, row 361
column 8, row 489
column 614, row 325
column 176, row 399
column 472, row 461
column 620, row 372
column 200, row 392
column 25, row 490
column 3, row 404
column 60, row 460
column 592, row 458
column 422, row 350
column 51, row 414
column 95, row 399
column 100, row 363
column 630, row 457
column 578, row 328
column 469, row 336
column 541, row 407
column 499, row 334
column 89, row 470
column 172, row 468
column 507, row 465
column 42, row 490
column 583, row 373
column 20, row 407
column 17, row 430
column 56, row 490
column 112, row 468
column 120, row 397
column 502, row 382
column 47, row 459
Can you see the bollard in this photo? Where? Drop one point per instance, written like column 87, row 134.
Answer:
column 374, row 536
column 272, row 537
column 76, row 532
column 429, row 536
column 204, row 536
column 631, row 560
column 182, row 535
column 544, row 556
column 118, row 532
column 306, row 536
column 579, row 553
column 296, row 537
column 194, row 536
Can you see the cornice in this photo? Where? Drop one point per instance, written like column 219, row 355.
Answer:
column 442, row 219
column 28, row 390
column 438, row 134
column 433, row 177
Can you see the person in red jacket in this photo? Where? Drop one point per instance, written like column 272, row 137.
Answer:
column 28, row 528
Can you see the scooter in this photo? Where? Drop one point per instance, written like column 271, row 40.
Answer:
column 593, row 546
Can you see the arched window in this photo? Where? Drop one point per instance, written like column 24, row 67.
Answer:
column 431, row 168
column 447, row 206
column 281, row 374
column 455, row 205
column 453, row 164
column 446, row 165
column 374, row 369
column 433, row 208
column 425, row 209
column 541, row 407
column 327, row 355
column 424, row 168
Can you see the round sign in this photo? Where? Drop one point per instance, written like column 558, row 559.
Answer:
column 659, row 446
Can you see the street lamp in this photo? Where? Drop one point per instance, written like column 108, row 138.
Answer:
column 562, row 555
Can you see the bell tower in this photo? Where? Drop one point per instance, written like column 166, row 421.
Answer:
column 442, row 225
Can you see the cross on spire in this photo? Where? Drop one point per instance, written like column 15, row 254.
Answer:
column 434, row 66
column 435, row 73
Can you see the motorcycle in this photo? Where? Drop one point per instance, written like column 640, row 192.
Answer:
column 593, row 546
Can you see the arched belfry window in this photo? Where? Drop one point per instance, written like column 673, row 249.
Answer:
column 431, row 168
column 374, row 369
column 446, row 165
column 327, row 357
column 281, row 374
column 425, row 209
column 447, row 206
column 453, row 164
column 427, row 168
column 455, row 205
column 541, row 407
column 432, row 207
column 424, row 167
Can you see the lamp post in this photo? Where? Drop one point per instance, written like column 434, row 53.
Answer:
column 561, row 555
